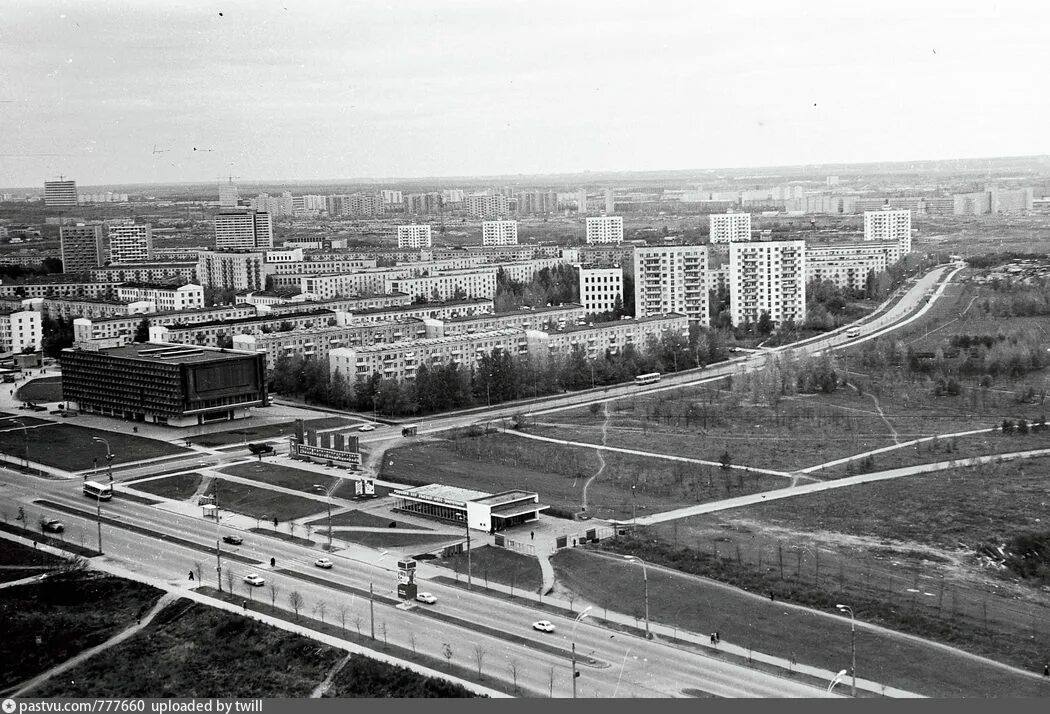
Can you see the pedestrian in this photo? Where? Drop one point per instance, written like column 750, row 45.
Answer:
column 712, row 638
column 718, row 638
column 532, row 534
column 1046, row 669
column 772, row 597
column 244, row 603
column 191, row 575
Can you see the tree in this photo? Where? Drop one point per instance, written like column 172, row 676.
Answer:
column 229, row 580
column 342, row 609
column 320, row 608
column 513, row 664
column 273, row 594
column 765, row 324
column 295, row 599
column 479, row 656
column 726, row 460
column 142, row 331
column 446, row 651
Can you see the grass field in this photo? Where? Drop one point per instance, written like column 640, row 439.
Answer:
column 772, row 628
column 260, row 502
column 41, row 390
column 19, row 561
column 392, row 539
column 69, row 615
column 191, row 650
column 286, row 477
column 498, row 565
column 362, row 519
column 178, row 487
column 70, row 448
column 249, row 434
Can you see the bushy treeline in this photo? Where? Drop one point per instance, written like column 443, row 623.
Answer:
column 784, row 375
column 1012, row 355
column 496, row 377
column 551, row 286
column 991, row 260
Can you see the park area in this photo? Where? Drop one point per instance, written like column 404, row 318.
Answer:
column 177, row 487
column 70, row 448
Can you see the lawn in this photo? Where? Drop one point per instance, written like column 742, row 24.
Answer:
column 391, row 538
column 70, row 448
column 286, row 477
column 771, row 628
column 19, row 561
column 261, row 502
column 178, row 487
column 363, row 519
column 262, row 432
column 498, row 565
column 68, row 615
column 192, row 650
column 495, row 463
column 41, row 390
column 364, row 677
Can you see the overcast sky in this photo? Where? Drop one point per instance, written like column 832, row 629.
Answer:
column 303, row 90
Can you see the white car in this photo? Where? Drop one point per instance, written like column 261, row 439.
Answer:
column 427, row 598
column 323, row 563
column 367, row 427
column 253, row 579
column 543, row 626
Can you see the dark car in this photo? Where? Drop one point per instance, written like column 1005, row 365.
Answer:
column 51, row 525
column 232, row 539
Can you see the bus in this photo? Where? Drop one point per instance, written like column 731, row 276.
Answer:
column 853, row 332
column 98, row 491
column 650, row 378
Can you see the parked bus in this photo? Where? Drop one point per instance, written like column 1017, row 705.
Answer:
column 853, row 332
column 98, row 491
column 650, row 378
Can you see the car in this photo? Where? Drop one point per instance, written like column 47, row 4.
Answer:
column 51, row 525
column 253, row 579
column 232, row 539
column 367, row 427
column 323, row 563
column 427, row 598
column 543, row 626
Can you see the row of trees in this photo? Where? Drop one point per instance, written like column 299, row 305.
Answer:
column 551, row 286
column 784, row 375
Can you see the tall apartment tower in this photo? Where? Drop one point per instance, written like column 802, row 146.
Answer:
column 610, row 202
column 767, row 276
column 605, row 229
column 414, row 236
column 130, row 243
column 730, row 227
column 581, row 201
column 228, row 196
column 243, row 230
column 599, row 287
column 672, row 279
column 60, row 193
column 81, row 247
column 889, row 226
column 499, row 233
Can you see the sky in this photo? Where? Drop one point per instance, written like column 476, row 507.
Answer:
column 111, row 91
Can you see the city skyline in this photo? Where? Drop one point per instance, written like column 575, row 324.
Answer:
column 109, row 92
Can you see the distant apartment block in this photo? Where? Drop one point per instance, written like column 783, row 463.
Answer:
column 283, row 205
column 487, row 206
column 414, row 236
column 610, row 202
column 604, row 337
column 391, row 197
column 889, row 225
column 600, row 288
column 355, row 204
column 165, row 298
column 20, row 330
column 537, row 202
column 130, row 243
column 119, row 329
column 847, row 265
column 423, row 203
column 228, row 196
column 672, row 279
column 60, row 193
column 767, row 276
column 243, row 230
column 82, row 247
column 605, row 229
column 581, row 201
column 182, row 270
column 231, row 270
column 729, row 227
column 499, row 233
column 447, row 286
column 453, row 195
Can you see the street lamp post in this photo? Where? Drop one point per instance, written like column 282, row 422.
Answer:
column 852, row 645
column 25, row 433
column 218, row 547
column 328, row 494
column 645, row 579
column 109, row 456
column 579, row 617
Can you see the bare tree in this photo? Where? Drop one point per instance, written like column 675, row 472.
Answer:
column 513, row 579
column 412, row 641
column 295, row 599
column 229, row 580
column 198, row 570
column 251, row 591
column 446, row 651
column 382, row 628
column 342, row 616
column 552, row 681
column 273, row 594
column 514, row 673
column 479, row 655
column 320, row 609
column 572, row 599
column 357, row 623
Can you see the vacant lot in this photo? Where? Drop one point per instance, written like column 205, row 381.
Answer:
column 362, row 519
column 393, row 539
column 68, row 614
column 70, row 448
column 498, row 565
column 191, row 650
column 786, row 632
column 264, row 503
column 178, row 487
column 286, row 477
column 19, row 561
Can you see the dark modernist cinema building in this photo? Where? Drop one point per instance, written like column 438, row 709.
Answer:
column 161, row 383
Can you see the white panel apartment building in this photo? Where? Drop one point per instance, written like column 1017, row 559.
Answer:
column 401, row 360
column 599, row 288
column 847, row 265
column 165, row 298
column 729, row 227
column 499, row 233
column 20, row 329
column 604, row 337
column 889, row 226
column 130, row 243
column 605, row 229
column 184, row 270
column 487, row 206
column 413, row 236
column 243, row 230
column 231, row 271
column 672, row 279
column 471, row 284
column 767, row 276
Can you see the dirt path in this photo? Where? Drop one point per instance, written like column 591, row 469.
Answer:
column 89, row 653
column 601, row 457
column 323, row 687
column 882, row 414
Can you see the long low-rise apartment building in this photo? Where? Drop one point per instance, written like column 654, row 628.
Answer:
column 348, row 304
column 319, row 342
column 167, row 298
column 541, row 318
column 153, row 272
column 606, row 337
column 447, row 310
column 477, row 283
column 400, row 360
column 219, row 333
column 524, row 271
column 848, row 265
column 72, row 308
column 122, row 329
column 52, row 288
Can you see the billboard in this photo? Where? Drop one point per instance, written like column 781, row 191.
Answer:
column 321, row 452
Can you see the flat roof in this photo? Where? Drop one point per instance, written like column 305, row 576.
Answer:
column 516, row 313
column 505, row 497
column 618, row 323
column 169, row 353
column 452, row 495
